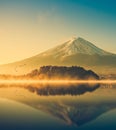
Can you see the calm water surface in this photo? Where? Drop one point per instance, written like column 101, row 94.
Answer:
column 53, row 107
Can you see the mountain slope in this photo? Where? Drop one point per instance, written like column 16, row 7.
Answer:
column 76, row 51
column 75, row 46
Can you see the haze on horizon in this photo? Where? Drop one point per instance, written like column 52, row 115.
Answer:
column 28, row 27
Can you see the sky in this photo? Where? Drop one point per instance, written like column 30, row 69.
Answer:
column 28, row 27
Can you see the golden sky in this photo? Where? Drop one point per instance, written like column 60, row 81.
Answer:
column 30, row 27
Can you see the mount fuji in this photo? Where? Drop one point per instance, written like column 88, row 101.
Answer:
column 76, row 51
column 75, row 46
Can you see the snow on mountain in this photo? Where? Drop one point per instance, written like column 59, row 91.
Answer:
column 75, row 46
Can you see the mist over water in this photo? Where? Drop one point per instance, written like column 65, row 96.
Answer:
column 57, row 106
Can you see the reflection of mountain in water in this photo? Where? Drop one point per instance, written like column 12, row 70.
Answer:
column 63, row 89
column 73, row 110
column 76, row 110
column 78, row 113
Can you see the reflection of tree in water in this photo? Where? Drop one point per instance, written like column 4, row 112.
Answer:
column 73, row 89
column 52, row 89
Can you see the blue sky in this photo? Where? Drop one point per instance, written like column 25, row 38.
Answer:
column 29, row 27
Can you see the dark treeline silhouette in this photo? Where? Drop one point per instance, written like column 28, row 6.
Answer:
column 56, row 72
column 63, row 72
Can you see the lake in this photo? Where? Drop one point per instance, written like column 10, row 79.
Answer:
column 58, row 107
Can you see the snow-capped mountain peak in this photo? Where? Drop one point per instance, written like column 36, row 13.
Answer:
column 72, row 40
column 75, row 46
column 75, row 51
column 79, row 45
